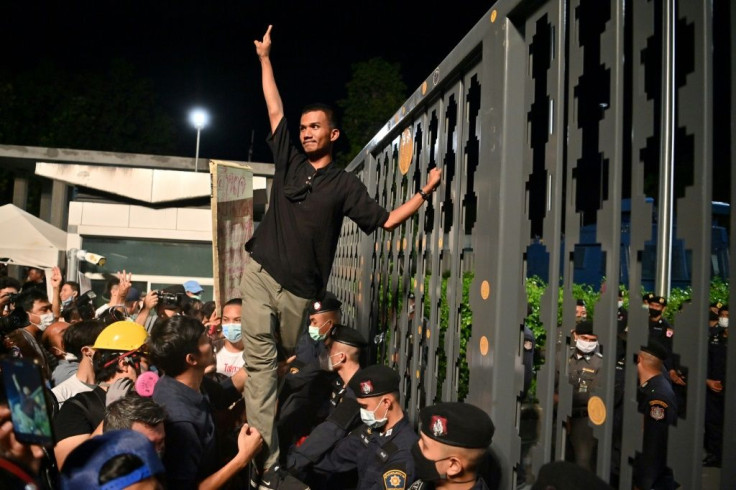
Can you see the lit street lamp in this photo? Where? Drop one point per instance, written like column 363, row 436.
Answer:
column 198, row 118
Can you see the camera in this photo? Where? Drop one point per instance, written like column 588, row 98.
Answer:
column 12, row 297
column 85, row 305
column 17, row 318
column 171, row 300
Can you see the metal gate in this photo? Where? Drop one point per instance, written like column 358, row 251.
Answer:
column 543, row 119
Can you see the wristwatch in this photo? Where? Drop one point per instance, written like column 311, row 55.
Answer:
column 424, row 195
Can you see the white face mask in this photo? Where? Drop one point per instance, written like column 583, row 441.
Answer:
column 46, row 320
column 620, row 303
column 723, row 321
column 586, row 346
column 369, row 417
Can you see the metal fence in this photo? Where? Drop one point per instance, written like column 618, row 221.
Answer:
column 543, row 118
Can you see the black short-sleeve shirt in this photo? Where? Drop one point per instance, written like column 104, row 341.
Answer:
column 297, row 239
column 80, row 414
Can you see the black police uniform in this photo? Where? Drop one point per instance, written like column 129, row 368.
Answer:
column 303, row 399
column 382, row 458
column 658, row 404
column 583, row 375
column 714, row 401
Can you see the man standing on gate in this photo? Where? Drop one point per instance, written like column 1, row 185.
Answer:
column 293, row 248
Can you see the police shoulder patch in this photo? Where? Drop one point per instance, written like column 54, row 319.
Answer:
column 656, row 411
column 394, row 480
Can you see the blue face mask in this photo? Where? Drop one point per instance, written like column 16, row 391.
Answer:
column 232, row 332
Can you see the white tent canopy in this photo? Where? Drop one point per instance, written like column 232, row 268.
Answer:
column 27, row 240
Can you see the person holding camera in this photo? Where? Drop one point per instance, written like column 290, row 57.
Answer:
column 160, row 305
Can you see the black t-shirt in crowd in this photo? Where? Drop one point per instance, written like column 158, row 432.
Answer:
column 80, row 414
column 297, row 239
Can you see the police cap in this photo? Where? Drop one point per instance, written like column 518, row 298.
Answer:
column 658, row 299
column 457, row 424
column 584, row 328
column 647, row 297
column 328, row 303
column 348, row 336
column 656, row 349
column 375, row 380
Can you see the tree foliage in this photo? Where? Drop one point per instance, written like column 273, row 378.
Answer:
column 114, row 111
column 375, row 91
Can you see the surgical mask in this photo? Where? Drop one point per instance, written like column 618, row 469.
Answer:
column 369, row 417
column 620, row 303
column 586, row 346
column 325, row 361
column 723, row 322
column 425, row 469
column 654, row 313
column 232, row 332
column 314, row 332
column 46, row 320
column 66, row 302
column 645, row 306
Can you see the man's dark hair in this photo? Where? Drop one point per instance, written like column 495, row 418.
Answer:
column 234, row 301
column 10, row 282
column 113, row 281
column 81, row 334
column 132, row 408
column 72, row 284
column 193, row 308
column 29, row 296
column 327, row 109
column 170, row 342
column 208, row 308
column 120, row 465
column 103, row 370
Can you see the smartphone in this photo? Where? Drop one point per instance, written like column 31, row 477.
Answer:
column 29, row 405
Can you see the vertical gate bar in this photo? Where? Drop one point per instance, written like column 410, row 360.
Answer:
column 642, row 111
column 694, row 213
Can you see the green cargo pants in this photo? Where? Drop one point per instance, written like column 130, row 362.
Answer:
column 271, row 321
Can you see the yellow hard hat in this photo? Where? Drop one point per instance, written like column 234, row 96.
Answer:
column 123, row 336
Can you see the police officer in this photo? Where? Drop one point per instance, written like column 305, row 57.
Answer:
column 380, row 449
column 658, row 405
column 584, row 365
column 454, row 438
column 715, row 380
column 343, row 359
column 303, row 399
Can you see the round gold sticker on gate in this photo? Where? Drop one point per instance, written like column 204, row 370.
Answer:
column 485, row 290
column 406, row 151
column 596, row 410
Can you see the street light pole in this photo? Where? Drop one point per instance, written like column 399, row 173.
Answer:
column 199, row 118
column 196, row 153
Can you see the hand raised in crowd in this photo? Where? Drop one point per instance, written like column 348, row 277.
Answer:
column 150, row 301
column 123, row 287
column 263, row 48
column 56, row 278
column 29, row 455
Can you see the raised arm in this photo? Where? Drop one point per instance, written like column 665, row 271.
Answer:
column 402, row 213
column 270, row 91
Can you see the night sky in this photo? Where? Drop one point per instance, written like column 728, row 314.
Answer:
column 202, row 53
